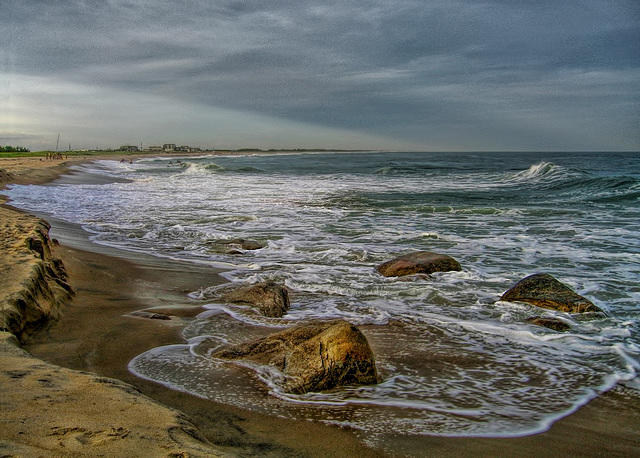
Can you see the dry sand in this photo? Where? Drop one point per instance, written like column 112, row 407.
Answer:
column 83, row 401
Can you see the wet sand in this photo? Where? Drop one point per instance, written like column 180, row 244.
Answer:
column 97, row 334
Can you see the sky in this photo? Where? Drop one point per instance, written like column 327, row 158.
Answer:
column 405, row 75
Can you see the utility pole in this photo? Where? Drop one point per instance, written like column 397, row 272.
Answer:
column 57, row 142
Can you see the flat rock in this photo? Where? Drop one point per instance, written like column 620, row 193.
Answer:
column 420, row 262
column 314, row 356
column 551, row 323
column 234, row 246
column 150, row 315
column 244, row 244
column 269, row 298
column 543, row 290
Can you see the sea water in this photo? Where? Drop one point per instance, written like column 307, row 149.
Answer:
column 454, row 359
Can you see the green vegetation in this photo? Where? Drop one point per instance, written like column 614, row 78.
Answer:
column 28, row 154
column 64, row 154
column 14, row 149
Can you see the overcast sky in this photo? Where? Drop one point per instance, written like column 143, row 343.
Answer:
column 424, row 75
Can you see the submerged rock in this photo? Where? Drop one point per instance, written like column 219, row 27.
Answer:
column 543, row 290
column 234, row 246
column 270, row 298
column 420, row 262
column 551, row 323
column 314, row 356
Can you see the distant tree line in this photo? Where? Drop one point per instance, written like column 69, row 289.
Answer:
column 14, row 149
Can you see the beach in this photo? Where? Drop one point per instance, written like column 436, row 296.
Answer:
column 77, row 370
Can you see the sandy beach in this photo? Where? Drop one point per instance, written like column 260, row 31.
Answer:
column 65, row 388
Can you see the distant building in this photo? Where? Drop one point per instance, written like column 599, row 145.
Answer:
column 156, row 148
column 169, row 147
column 129, row 148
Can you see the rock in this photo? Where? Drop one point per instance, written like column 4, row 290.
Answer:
column 543, row 290
column 244, row 244
column 234, row 246
column 150, row 315
column 420, row 262
column 270, row 298
column 551, row 323
column 314, row 356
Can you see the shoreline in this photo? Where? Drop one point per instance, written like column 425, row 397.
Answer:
column 96, row 334
column 108, row 287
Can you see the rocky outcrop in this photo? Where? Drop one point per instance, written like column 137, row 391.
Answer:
column 543, row 290
column 314, row 356
column 34, row 286
column 551, row 323
column 420, row 262
column 269, row 298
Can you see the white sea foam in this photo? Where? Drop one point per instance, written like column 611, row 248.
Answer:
column 446, row 346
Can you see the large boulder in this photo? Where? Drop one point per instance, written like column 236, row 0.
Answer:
column 420, row 262
column 270, row 298
column 314, row 356
column 543, row 290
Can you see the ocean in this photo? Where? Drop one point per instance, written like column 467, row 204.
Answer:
column 454, row 359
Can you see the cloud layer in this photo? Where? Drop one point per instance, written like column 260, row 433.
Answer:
column 423, row 75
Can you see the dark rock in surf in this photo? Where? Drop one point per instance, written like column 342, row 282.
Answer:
column 314, row 356
column 270, row 298
column 234, row 246
column 551, row 323
column 420, row 262
column 244, row 244
column 543, row 290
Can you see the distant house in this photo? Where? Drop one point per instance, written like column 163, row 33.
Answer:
column 129, row 148
column 169, row 147
column 156, row 148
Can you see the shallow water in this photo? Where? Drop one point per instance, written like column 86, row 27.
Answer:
column 454, row 359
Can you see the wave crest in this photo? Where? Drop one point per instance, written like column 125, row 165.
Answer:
column 536, row 171
column 215, row 168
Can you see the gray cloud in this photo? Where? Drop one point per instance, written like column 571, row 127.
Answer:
column 449, row 75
